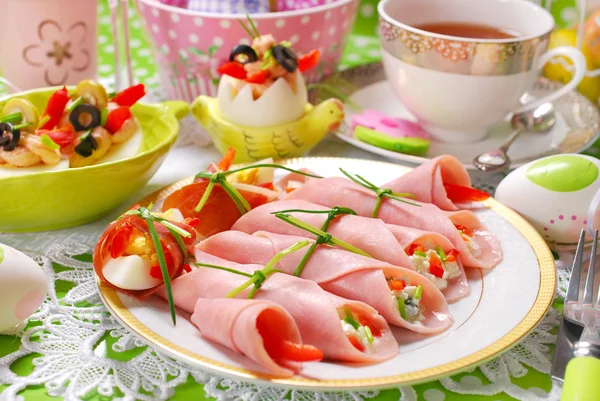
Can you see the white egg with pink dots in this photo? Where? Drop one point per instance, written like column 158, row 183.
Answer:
column 23, row 287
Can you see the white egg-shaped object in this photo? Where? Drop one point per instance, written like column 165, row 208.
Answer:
column 554, row 194
column 23, row 287
column 279, row 104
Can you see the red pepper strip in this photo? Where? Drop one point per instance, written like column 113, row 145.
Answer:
column 309, row 60
column 457, row 194
column 258, row 77
column 155, row 271
column 227, row 160
column 192, row 221
column 55, row 108
column 364, row 321
column 268, row 185
column 412, row 248
column 435, row 266
column 354, row 341
column 464, row 229
column 187, row 268
column 398, row 285
column 120, row 241
column 61, row 136
column 116, row 119
column 130, row 96
column 452, row 255
column 280, row 349
column 233, row 69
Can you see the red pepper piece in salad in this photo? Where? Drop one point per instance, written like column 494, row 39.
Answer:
column 116, row 119
column 457, row 194
column 396, row 285
column 233, row 69
column 259, row 77
column 281, row 349
column 309, row 60
column 63, row 136
column 464, row 230
column 451, row 255
column 55, row 108
column 435, row 266
column 130, row 96
column 355, row 342
column 412, row 248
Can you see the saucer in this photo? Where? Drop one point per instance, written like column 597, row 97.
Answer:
column 577, row 126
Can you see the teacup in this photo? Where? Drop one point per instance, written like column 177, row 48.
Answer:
column 459, row 87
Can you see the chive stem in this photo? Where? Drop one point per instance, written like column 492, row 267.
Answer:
column 205, row 196
column 441, row 253
column 74, row 104
column 12, row 118
column 227, row 269
column 272, row 165
column 43, row 121
column 246, row 29
column 24, row 125
column 369, row 334
column 402, row 307
column 253, row 26
column 163, row 266
column 103, row 117
column 419, row 292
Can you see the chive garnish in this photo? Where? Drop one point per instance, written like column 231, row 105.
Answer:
column 286, row 43
column 24, row 125
column 331, row 215
column 267, row 58
column 369, row 334
column 74, row 104
column 12, row 118
column 220, row 178
column 85, row 135
column 322, row 236
column 103, row 117
column 380, row 192
column 419, row 292
column 48, row 142
column 112, row 95
column 260, row 276
column 246, row 29
column 402, row 307
column 44, row 120
column 441, row 253
column 176, row 231
column 253, row 26
column 420, row 253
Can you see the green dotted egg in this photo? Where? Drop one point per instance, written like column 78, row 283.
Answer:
column 563, row 173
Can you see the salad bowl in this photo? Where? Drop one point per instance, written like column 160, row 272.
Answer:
column 53, row 200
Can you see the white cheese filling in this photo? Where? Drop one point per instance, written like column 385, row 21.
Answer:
column 421, row 264
column 360, row 335
column 412, row 305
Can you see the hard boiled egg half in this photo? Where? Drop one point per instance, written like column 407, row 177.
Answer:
column 279, row 104
column 23, row 287
column 554, row 194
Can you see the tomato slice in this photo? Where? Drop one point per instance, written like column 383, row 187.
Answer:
column 452, row 255
column 233, row 69
column 309, row 60
column 280, row 349
column 435, row 266
column 120, row 241
column 354, row 341
column 457, row 194
column 155, row 271
column 410, row 250
column 63, row 137
column 259, row 77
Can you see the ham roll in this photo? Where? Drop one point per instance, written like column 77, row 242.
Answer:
column 125, row 258
column 429, row 181
column 258, row 329
column 342, row 329
column 403, row 297
column 385, row 242
column 477, row 247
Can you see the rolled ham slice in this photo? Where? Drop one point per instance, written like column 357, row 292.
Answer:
column 104, row 248
column 484, row 250
column 382, row 241
column 233, row 323
column 316, row 312
column 427, row 181
column 340, row 272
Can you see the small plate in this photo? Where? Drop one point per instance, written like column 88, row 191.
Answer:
column 483, row 326
column 577, row 127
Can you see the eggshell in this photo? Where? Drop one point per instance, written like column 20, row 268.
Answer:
column 554, row 194
column 277, row 105
column 17, row 171
column 23, row 287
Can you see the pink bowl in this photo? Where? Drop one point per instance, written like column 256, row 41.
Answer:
column 189, row 46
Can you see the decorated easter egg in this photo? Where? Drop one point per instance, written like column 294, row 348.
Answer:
column 23, row 287
column 554, row 194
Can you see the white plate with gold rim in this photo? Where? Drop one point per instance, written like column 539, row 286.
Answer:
column 577, row 126
column 505, row 305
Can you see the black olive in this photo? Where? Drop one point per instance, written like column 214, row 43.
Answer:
column 9, row 137
column 286, row 58
column 243, row 54
column 87, row 145
column 81, row 110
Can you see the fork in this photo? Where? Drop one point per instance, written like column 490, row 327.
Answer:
column 582, row 372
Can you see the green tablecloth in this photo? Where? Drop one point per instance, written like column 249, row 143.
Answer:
column 362, row 48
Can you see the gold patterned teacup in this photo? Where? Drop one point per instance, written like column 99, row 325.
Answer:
column 459, row 87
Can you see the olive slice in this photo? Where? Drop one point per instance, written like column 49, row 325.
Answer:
column 85, row 117
column 87, row 145
column 9, row 137
column 286, row 57
column 243, row 54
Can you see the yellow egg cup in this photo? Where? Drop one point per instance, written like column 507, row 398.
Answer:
column 280, row 141
column 66, row 198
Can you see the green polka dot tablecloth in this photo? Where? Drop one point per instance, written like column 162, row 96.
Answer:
column 520, row 374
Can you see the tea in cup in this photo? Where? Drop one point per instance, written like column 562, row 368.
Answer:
column 461, row 66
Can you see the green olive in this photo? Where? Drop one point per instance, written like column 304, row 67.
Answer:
column 28, row 112
column 92, row 93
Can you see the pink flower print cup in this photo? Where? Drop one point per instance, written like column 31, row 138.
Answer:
column 392, row 126
column 52, row 42
column 287, row 5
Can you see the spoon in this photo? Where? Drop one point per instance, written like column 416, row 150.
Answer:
column 538, row 120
